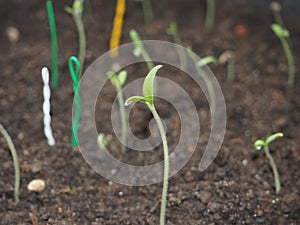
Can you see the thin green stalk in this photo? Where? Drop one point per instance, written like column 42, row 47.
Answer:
column 166, row 163
column 274, row 168
column 139, row 48
column 210, row 14
column 77, row 11
column 148, row 11
column 54, row 50
column 123, row 119
column 75, row 78
column 15, row 161
column 290, row 60
column 283, row 34
column 82, row 41
column 276, row 9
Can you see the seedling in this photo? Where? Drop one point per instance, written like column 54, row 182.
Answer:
column 147, row 11
column 173, row 31
column 276, row 9
column 118, row 80
column 139, row 48
column 229, row 57
column 283, row 34
column 46, row 107
column 210, row 14
column 198, row 65
column 77, row 10
column 117, row 28
column 15, row 161
column 75, row 78
column 101, row 141
column 148, row 99
column 54, row 50
column 258, row 145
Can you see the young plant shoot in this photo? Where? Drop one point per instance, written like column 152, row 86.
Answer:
column 148, row 99
column 118, row 80
column 46, row 107
column 258, row 145
column 15, row 161
column 117, row 28
column 210, row 14
column 276, row 9
column 75, row 78
column 283, row 35
column 173, row 31
column 229, row 57
column 198, row 65
column 147, row 11
column 139, row 48
column 54, row 50
column 77, row 10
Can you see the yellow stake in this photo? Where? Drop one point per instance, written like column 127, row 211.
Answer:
column 117, row 28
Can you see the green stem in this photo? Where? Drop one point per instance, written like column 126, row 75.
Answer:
column 147, row 59
column 290, row 59
column 230, row 68
column 148, row 12
column 166, row 163
column 54, row 49
column 210, row 14
column 274, row 168
column 15, row 161
column 123, row 118
column 82, row 41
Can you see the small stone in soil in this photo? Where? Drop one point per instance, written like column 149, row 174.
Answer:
column 36, row 185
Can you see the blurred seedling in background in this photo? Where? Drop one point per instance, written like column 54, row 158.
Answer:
column 139, row 50
column 173, row 31
column 229, row 58
column 210, row 14
column 199, row 63
column 147, row 11
column 258, row 145
column 148, row 99
column 118, row 80
column 283, row 35
column 77, row 11
column 15, row 161
column 276, row 10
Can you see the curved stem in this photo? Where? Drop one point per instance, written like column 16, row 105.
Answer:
column 274, row 168
column 290, row 59
column 82, row 41
column 15, row 161
column 166, row 163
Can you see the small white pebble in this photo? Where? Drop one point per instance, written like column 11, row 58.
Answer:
column 13, row 34
column 245, row 162
column 36, row 185
column 121, row 193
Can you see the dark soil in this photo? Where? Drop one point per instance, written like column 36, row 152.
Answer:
column 238, row 186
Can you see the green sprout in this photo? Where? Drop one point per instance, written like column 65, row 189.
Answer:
column 276, row 9
column 118, row 80
column 54, row 50
column 229, row 57
column 283, row 34
column 102, row 141
column 147, row 11
column 173, row 31
column 198, row 65
column 75, row 78
column 210, row 14
column 15, row 161
column 77, row 10
column 148, row 99
column 139, row 48
column 258, row 145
